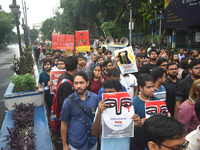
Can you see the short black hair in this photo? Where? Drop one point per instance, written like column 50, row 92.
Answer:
column 197, row 108
column 157, row 73
column 113, row 83
column 99, row 57
column 46, row 61
column 194, row 63
column 98, row 47
column 71, row 63
column 160, row 61
column 184, row 63
column 114, row 72
column 49, row 54
column 153, row 50
column 106, row 62
column 61, row 59
column 108, row 52
column 171, row 63
column 139, row 55
column 57, row 57
column 142, row 78
column 82, row 74
column 44, row 50
column 81, row 56
column 159, row 128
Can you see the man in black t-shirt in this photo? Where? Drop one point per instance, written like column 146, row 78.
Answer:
column 65, row 88
column 152, row 64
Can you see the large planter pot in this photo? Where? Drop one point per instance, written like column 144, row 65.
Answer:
column 41, row 129
column 23, row 97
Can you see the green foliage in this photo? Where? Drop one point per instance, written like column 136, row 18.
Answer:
column 48, row 27
column 11, row 37
column 6, row 25
column 108, row 27
column 34, row 34
column 28, row 62
column 156, row 39
column 23, row 82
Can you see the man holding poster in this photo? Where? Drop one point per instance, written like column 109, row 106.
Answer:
column 118, row 106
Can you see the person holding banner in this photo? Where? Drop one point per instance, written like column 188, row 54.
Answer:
column 111, row 86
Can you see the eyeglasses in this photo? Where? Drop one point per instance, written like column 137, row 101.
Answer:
column 196, row 68
column 183, row 147
column 60, row 63
column 173, row 69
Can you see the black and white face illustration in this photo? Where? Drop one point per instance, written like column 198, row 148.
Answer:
column 119, row 109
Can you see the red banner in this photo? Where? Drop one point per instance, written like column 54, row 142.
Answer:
column 82, row 41
column 54, row 76
column 63, row 41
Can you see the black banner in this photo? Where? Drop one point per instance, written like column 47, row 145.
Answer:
column 181, row 13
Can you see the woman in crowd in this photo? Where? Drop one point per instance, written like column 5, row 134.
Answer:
column 186, row 111
column 96, row 79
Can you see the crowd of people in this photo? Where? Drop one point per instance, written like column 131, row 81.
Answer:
column 162, row 75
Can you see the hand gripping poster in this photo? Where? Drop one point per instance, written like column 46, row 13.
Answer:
column 126, row 62
column 54, row 76
column 156, row 107
column 82, row 41
column 117, row 120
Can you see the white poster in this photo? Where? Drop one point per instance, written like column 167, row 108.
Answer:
column 126, row 62
column 117, row 120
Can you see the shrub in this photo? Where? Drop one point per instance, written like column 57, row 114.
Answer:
column 23, row 82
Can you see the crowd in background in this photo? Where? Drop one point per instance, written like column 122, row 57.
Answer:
column 162, row 75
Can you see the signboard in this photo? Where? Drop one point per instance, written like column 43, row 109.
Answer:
column 181, row 13
column 126, row 62
column 63, row 41
column 197, row 37
column 117, row 120
column 54, row 76
column 82, row 41
column 156, row 107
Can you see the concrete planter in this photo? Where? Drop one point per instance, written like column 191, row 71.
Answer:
column 41, row 128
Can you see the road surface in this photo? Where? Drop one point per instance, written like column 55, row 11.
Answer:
column 6, row 58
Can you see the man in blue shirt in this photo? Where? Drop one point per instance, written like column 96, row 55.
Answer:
column 76, row 126
column 45, row 78
column 146, row 85
column 160, row 76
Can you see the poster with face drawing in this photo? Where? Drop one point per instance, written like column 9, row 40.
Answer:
column 156, row 107
column 126, row 62
column 117, row 120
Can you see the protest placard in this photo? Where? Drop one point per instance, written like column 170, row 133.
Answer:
column 117, row 120
column 63, row 41
column 54, row 76
column 82, row 41
column 156, row 107
column 126, row 62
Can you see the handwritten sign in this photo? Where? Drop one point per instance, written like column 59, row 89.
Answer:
column 54, row 76
column 63, row 41
column 82, row 41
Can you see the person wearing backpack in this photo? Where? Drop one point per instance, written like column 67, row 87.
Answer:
column 77, row 116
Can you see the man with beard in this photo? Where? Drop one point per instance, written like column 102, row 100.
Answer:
column 100, row 52
column 77, row 116
column 45, row 78
column 107, row 65
column 181, row 55
column 175, row 59
column 183, row 87
column 170, row 84
column 194, row 54
column 152, row 64
column 82, row 65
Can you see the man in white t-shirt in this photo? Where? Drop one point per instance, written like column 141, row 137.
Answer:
column 129, row 81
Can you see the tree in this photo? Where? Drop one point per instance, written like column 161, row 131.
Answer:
column 47, row 29
column 6, row 25
column 34, row 34
column 11, row 37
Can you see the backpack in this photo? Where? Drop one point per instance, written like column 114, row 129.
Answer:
column 55, row 122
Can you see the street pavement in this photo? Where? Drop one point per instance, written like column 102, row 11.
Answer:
column 6, row 58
